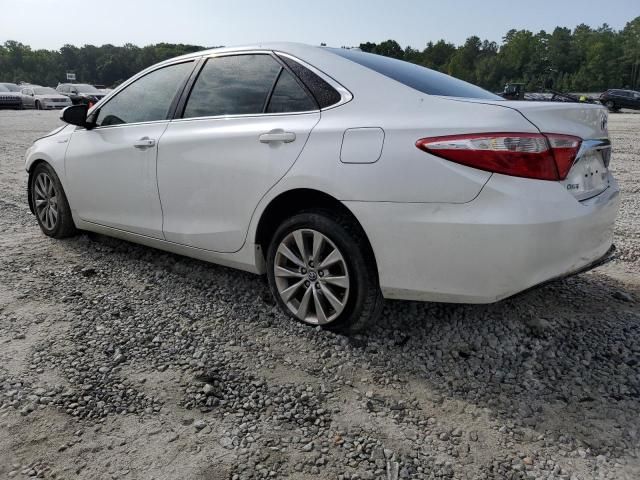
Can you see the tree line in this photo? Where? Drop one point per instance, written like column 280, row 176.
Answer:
column 582, row 59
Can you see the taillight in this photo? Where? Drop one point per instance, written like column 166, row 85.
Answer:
column 530, row 155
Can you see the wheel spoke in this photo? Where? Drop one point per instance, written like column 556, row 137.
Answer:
column 320, row 315
column 333, row 257
column 288, row 292
column 338, row 280
column 40, row 188
column 49, row 186
column 297, row 235
column 286, row 273
column 304, row 304
column 286, row 251
column 317, row 245
column 335, row 303
column 47, row 216
column 41, row 203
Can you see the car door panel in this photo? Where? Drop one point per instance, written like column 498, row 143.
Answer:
column 113, row 182
column 28, row 99
column 213, row 172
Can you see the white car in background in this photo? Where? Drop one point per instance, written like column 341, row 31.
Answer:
column 43, row 98
column 346, row 177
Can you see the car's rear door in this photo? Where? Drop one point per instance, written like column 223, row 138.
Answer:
column 112, row 167
column 244, row 124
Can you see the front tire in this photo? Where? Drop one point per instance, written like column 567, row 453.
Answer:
column 50, row 203
column 610, row 105
column 38, row 106
column 321, row 271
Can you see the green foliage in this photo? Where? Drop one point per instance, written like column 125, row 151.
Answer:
column 580, row 60
column 105, row 65
column 584, row 59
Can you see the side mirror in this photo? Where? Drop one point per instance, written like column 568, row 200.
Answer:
column 76, row 115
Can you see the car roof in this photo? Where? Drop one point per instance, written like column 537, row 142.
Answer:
column 286, row 47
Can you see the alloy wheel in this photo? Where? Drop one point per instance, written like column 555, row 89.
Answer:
column 46, row 200
column 311, row 276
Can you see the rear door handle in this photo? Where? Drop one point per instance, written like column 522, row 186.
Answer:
column 277, row 136
column 144, row 143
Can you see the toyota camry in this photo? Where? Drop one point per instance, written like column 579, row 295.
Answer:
column 346, row 177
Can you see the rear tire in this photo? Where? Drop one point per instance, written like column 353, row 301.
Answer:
column 321, row 271
column 610, row 105
column 50, row 203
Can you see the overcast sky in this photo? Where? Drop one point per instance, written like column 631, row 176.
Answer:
column 53, row 23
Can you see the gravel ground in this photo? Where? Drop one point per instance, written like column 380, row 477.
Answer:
column 120, row 361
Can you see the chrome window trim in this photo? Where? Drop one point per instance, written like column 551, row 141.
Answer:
column 244, row 115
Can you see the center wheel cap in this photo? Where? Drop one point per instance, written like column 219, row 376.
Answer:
column 313, row 276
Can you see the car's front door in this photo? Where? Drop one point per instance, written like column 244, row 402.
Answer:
column 112, row 168
column 28, row 97
column 244, row 124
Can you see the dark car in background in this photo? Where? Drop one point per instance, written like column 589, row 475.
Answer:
column 616, row 99
column 10, row 99
column 80, row 93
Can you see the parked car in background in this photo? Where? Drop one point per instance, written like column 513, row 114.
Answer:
column 103, row 88
column 10, row 99
column 44, row 98
column 616, row 99
column 81, row 93
column 346, row 177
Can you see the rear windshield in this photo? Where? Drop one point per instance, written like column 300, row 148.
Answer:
column 85, row 88
column 420, row 78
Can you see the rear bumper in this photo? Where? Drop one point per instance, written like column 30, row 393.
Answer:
column 516, row 234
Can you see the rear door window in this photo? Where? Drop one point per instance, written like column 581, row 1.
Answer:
column 417, row 77
column 233, row 85
column 288, row 96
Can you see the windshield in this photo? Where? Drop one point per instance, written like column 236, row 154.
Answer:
column 3, row 89
column 44, row 91
column 85, row 88
column 11, row 87
column 420, row 78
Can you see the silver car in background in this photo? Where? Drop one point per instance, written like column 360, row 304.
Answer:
column 43, row 98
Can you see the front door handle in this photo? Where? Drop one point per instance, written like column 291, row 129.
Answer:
column 277, row 136
column 144, row 143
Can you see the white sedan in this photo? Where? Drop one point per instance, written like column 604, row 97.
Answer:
column 43, row 98
column 346, row 177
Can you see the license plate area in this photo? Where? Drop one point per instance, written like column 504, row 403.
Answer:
column 589, row 175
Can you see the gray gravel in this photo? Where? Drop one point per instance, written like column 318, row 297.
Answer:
column 120, row 361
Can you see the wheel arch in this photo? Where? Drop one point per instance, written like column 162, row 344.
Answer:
column 290, row 202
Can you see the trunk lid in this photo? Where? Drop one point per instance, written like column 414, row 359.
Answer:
column 584, row 120
column 589, row 176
